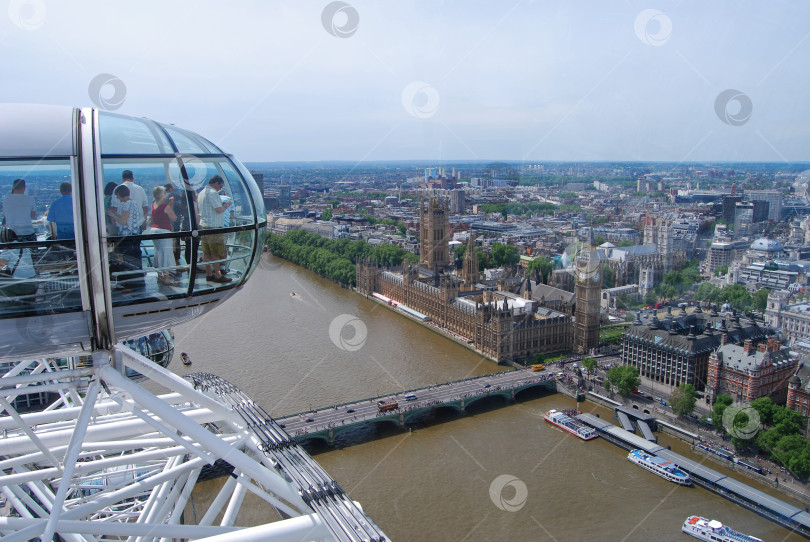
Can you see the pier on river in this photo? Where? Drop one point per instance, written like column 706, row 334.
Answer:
column 778, row 511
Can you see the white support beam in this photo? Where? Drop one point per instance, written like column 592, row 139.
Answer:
column 123, row 429
column 159, row 495
column 185, row 495
column 218, row 502
column 309, row 528
column 131, row 460
column 70, row 458
column 271, row 480
column 69, row 414
column 162, row 429
column 30, row 433
column 229, row 518
column 39, row 378
column 119, row 529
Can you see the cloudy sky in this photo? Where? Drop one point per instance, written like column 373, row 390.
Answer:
column 433, row 80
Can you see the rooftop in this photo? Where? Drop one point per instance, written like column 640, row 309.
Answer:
column 734, row 357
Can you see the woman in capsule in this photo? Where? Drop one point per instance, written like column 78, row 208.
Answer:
column 162, row 218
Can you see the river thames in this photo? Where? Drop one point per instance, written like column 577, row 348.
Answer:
column 493, row 474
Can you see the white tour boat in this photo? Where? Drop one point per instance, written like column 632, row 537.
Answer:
column 568, row 423
column 714, row 531
column 660, row 466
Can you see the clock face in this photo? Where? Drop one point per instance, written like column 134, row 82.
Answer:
column 596, row 277
column 582, row 275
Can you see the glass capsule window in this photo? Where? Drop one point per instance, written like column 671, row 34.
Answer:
column 37, row 245
column 176, row 233
column 61, row 179
column 158, row 347
column 122, row 135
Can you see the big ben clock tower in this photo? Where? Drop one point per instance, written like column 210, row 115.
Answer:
column 588, row 290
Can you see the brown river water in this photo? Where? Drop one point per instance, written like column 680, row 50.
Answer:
column 492, row 474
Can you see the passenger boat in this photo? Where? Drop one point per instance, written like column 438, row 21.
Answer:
column 567, row 423
column 185, row 358
column 713, row 530
column 663, row 468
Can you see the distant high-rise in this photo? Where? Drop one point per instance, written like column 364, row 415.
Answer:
column 774, row 199
column 457, row 201
column 729, row 207
column 284, row 200
column 259, row 178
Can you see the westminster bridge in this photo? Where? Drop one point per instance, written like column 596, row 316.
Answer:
column 327, row 423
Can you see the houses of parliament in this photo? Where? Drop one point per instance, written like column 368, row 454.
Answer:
column 505, row 322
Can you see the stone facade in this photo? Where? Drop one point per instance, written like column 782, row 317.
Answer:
column 588, row 292
column 501, row 325
column 469, row 271
column 434, row 233
column 628, row 263
column 793, row 319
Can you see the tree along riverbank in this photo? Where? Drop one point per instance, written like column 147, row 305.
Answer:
column 333, row 259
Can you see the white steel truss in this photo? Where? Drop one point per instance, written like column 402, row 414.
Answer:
column 109, row 460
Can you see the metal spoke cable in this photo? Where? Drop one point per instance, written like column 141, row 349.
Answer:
column 342, row 516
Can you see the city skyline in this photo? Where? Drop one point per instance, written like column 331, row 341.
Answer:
column 357, row 81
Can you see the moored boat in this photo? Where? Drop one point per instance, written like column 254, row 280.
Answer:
column 714, row 531
column 660, row 466
column 567, row 423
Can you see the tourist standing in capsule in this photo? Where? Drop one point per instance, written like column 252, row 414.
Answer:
column 60, row 214
column 129, row 218
column 212, row 216
column 19, row 210
column 162, row 218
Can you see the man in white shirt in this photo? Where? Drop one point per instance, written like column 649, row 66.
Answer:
column 19, row 209
column 136, row 194
column 212, row 216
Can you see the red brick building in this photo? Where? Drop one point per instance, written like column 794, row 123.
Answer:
column 798, row 398
column 747, row 372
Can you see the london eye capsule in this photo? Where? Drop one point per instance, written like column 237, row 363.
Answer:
column 114, row 227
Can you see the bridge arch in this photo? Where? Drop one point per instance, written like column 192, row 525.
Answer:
column 414, row 416
column 534, row 389
column 501, row 397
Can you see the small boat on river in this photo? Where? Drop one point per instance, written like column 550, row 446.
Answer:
column 185, row 358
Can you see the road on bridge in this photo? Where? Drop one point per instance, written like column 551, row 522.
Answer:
column 366, row 409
